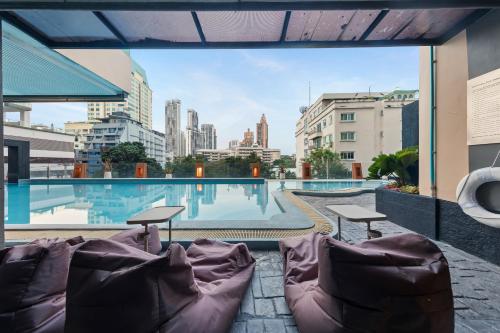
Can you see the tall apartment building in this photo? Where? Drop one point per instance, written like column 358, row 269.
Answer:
column 233, row 144
column 248, row 139
column 193, row 136
column 138, row 104
column 173, row 128
column 262, row 132
column 208, row 136
column 118, row 128
column 183, row 144
column 358, row 126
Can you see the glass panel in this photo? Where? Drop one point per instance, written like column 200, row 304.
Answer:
column 164, row 26
column 242, row 26
column 32, row 69
column 329, row 25
column 67, row 26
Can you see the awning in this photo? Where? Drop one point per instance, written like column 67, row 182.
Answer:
column 242, row 24
column 33, row 72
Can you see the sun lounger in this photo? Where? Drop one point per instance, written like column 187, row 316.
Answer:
column 33, row 280
column 390, row 284
column 116, row 288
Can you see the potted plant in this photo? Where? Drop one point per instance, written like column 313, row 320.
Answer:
column 107, row 168
column 169, row 171
column 282, row 173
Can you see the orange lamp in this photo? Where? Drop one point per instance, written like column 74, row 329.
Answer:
column 199, row 170
column 80, row 170
column 141, row 170
column 255, row 168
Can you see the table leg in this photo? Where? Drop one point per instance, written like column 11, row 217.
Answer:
column 368, row 234
column 339, row 236
column 146, row 238
column 169, row 232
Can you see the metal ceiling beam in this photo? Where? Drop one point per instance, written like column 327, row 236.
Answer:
column 156, row 5
column 198, row 27
column 57, row 98
column 374, row 24
column 285, row 26
column 160, row 44
column 104, row 20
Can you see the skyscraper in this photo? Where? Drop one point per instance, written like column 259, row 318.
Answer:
column 138, row 103
column 173, row 128
column 192, row 133
column 262, row 132
column 247, row 139
column 209, row 136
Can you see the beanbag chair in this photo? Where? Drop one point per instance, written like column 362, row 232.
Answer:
column 116, row 288
column 33, row 285
column 390, row 284
column 33, row 280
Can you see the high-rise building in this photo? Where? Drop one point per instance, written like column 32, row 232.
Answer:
column 247, row 139
column 209, row 136
column 183, row 144
column 138, row 103
column 262, row 132
column 358, row 126
column 233, row 144
column 173, row 128
column 193, row 137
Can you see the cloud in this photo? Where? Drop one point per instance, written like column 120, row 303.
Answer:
column 263, row 62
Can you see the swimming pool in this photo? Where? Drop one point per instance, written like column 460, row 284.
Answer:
column 101, row 204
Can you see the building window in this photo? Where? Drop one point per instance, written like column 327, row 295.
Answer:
column 324, row 123
column 347, row 117
column 347, row 155
column 347, row 136
column 330, row 120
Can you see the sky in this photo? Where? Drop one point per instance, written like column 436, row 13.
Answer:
column 233, row 88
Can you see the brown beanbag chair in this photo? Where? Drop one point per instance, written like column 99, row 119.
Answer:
column 390, row 284
column 33, row 280
column 117, row 288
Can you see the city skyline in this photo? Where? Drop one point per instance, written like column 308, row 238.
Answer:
column 232, row 88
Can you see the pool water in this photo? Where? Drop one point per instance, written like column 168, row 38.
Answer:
column 115, row 203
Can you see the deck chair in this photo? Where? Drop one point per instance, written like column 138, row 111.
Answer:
column 391, row 284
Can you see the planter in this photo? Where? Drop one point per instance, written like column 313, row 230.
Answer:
column 411, row 211
column 108, row 175
column 168, row 176
column 282, row 175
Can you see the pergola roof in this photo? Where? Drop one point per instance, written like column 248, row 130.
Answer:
column 242, row 24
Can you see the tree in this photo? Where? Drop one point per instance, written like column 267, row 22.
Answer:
column 323, row 159
column 285, row 161
column 125, row 155
column 402, row 166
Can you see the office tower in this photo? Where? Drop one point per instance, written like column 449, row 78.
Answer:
column 247, row 139
column 233, row 144
column 262, row 132
column 193, row 136
column 209, row 136
column 173, row 128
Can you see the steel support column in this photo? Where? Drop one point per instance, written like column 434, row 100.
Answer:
column 2, row 180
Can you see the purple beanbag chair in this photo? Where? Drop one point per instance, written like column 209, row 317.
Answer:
column 116, row 288
column 390, row 284
column 33, row 280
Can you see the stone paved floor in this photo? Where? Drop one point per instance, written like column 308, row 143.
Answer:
column 475, row 282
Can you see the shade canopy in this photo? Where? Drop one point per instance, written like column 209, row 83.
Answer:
column 242, row 24
column 35, row 73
